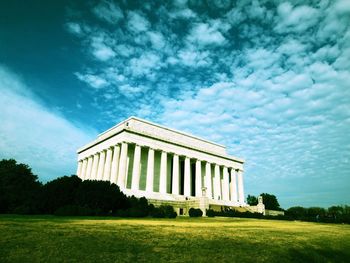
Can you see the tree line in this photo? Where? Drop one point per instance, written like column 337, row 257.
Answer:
column 22, row 193
column 333, row 214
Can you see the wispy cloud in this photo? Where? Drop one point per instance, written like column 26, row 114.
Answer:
column 34, row 134
column 93, row 80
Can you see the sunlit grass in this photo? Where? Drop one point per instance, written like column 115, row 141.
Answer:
column 74, row 239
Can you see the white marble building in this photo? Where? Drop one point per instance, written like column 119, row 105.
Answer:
column 164, row 165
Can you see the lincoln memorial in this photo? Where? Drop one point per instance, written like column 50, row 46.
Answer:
column 164, row 165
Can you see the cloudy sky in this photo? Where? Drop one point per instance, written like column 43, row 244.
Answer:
column 268, row 79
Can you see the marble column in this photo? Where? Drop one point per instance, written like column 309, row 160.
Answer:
column 187, row 177
column 89, row 167
column 150, row 170
column 101, row 165
column 240, row 187
column 115, row 164
column 83, row 170
column 108, row 163
column 233, row 186
column 80, row 165
column 226, row 186
column 135, row 183
column 217, row 190
column 198, row 178
column 123, row 165
column 175, row 183
column 163, row 173
column 94, row 167
column 208, row 183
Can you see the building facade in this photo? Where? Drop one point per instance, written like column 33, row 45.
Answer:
column 164, row 165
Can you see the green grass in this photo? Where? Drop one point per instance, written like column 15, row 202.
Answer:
column 76, row 239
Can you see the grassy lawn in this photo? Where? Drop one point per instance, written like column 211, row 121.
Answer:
column 75, row 239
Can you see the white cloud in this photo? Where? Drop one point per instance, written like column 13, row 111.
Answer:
column 125, row 50
column 205, row 34
column 93, row 80
column 100, row 50
column 256, row 11
column 108, row 11
column 190, row 57
column 74, row 28
column 50, row 146
column 131, row 91
column 137, row 22
column 298, row 18
column 182, row 13
column 144, row 64
column 261, row 58
column 236, row 16
column 342, row 6
column 157, row 39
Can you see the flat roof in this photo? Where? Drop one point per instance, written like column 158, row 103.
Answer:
column 163, row 127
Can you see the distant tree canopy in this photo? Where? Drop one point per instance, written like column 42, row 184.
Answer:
column 269, row 200
column 19, row 187
column 22, row 193
column 252, row 200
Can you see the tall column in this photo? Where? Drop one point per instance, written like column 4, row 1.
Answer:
column 115, row 164
column 89, row 167
column 150, row 170
column 198, row 178
column 187, row 177
column 101, row 165
column 240, row 187
column 108, row 163
column 208, row 180
column 163, row 173
column 175, row 183
column 226, row 186
column 233, row 186
column 135, row 183
column 123, row 165
column 217, row 191
column 80, row 165
column 83, row 170
column 94, row 167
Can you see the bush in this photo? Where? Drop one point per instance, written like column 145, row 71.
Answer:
column 195, row 212
column 169, row 211
column 158, row 212
column 210, row 213
column 164, row 211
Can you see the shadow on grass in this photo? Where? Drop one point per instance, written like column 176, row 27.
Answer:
column 309, row 254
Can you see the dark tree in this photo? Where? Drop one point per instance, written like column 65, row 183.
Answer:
column 297, row 212
column 252, row 200
column 19, row 188
column 59, row 192
column 270, row 202
column 316, row 211
column 335, row 210
column 101, row 196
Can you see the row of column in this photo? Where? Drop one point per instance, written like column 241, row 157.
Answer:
column 111, row 165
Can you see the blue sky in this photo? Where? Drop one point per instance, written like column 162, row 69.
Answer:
column 268, row 79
